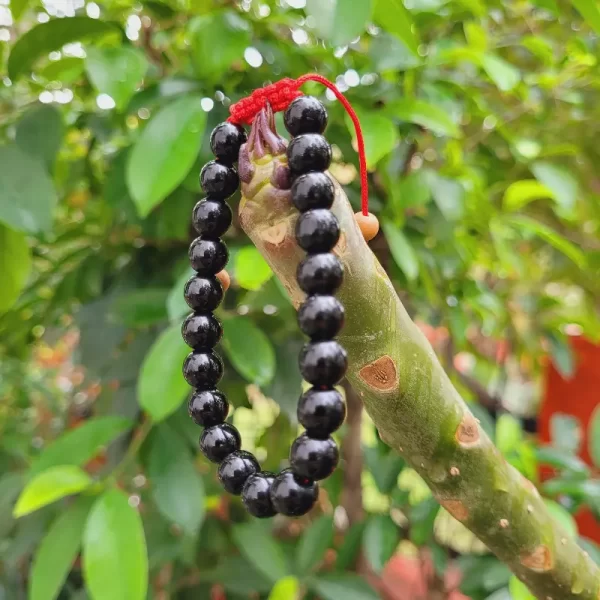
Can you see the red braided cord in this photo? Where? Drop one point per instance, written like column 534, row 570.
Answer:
column 280, row 94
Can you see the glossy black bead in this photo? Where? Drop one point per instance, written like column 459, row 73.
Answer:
column 305, row 114
column 308, row 152
column 314, row 458
column 293, row 495
column 201, row 331
column 313, row 190
column 320, row 274
column 203, row 294
column 208, row 257
column 256, row 495
column 323, row 363
column 218, row 179
column 226, row 140
column 321, row 412
column 235, row 470
column 317, row 230
column 212, row 218
column 321, row 317
column 203, row 370
column 208, row 407
column 219, row 441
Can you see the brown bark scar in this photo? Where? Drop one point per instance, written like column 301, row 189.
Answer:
column 456, row 508
column 467, row 434
column 380, row 374
column 539, row 560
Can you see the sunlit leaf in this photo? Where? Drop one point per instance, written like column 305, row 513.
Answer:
column 394, row 18
column 563, row 517
column 401, row 250
column 448, row 194
column 518, row 590
column 161, row 386
column 508, row 433
column 165, row 152
column 115, row 561
column 590, row 11
column 287, row 588
column 250, row 269
column 380, row 135
column 49, row 486
column 425, row 114
column 339, row 21
column 15, row 265
column 563, row 185
column 502, row 73
column 520, row 193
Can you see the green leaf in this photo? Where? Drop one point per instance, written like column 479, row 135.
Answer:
column 425, row 114
column 212, row 58
column 401, row 250
column 388, row 53
column 565, row 433
column 116, row 71
column 339, row 21
column 313, row 545
column 15, row 265
column 385, row 468
column 250, row 269
column 346, row 586
column 551, row 237
column 66, row 70
column 53, row 35
column 28, row 196
column 508, row 433
column 49, row 486
column 502, row 73
column 594, row 437
column 556, row 458
column 564, row 518
column 57, row 552
column 520, row 193
column 395, row 19
column 448, row 194
column 177, row 487
column 590, row 11
column 348, row 552
column 518, row 590
column 380, row 135
column 80, row 445
column 143, row 307
column 261, row 550
column 165, row 152
column 40, row 132
column 115, row 561
column 563, row 185
column 287, row 588
column 18, row 8
column 380, row 541
column 414, row 190
column 161, row 386
column 249, row 350
column 562, row 354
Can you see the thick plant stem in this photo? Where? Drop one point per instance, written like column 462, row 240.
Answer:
column 415, row 407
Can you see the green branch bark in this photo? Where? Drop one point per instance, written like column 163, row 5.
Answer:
column 411, row 400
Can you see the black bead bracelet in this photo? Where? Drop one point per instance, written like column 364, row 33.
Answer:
column 323, row 362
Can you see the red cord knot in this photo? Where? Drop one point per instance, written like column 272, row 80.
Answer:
column 278, row 95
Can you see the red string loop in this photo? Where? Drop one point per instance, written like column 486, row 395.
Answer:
column 280, row 94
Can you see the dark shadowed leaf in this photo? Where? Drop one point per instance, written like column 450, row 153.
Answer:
column 380, row 135
column 380, row 540
column 313, row 544
column 594, row 437
column 502, row 73
column 425, row 114
column 115, row 561
column 563, row 185
column 448, row 194
column 15, row 265
column 40, row 132
column 161, row 386
column 346, row 586
column 46, row 37
column 401, row 250
column 165, row 152
column 348, row 552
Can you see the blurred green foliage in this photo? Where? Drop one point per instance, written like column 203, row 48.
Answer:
column 481, row 121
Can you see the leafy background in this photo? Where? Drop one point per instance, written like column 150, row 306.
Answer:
column 481, row 121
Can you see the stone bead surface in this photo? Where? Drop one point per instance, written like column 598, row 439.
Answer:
column 212, row 218
column 308, row 152
column 320, row 274
column 256, row 495
column 323, row 363
column 305, row 114
column 218, row 179
column 321, row 412
column 201, row 331
column 312, row 190
column 314, row 458
column 235, row 470
column 208, row 407
column 292, row 495
column 203, row 370
column 317, row 230
column 321, row 317
column 203, row 294
column 208, row 257
column 219, row 441
column 226, row 140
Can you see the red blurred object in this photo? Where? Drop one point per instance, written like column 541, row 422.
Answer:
column 578, row 397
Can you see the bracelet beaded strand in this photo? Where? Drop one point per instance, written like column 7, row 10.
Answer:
column 323, row 361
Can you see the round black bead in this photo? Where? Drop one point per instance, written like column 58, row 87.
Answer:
column 219, row 441
column 226, row 140
column 202, row 370
column 235, row 470
column 313, row 190
column 317, row 230
column 218, row 179
column 323, row 363
column 208, row 257
column 208, row 407
column 321, row 317
column 212, row 218
column 314, row 458
column 321, row 412
column 292, row 495
column 305, row 115
column 320, row 274
column 308, row 152
column 201, row 331
column 256, row 495
column 203, row 293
